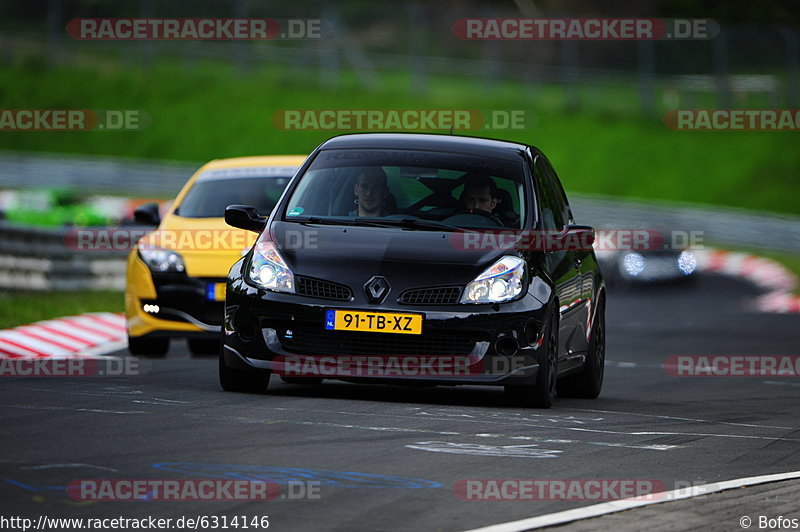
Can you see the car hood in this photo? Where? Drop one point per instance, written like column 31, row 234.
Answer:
column 208, row 246
column 353, row 255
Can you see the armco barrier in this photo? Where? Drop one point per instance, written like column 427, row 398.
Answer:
column 39, row 259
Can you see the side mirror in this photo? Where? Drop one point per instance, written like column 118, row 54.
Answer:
column 578, row 237
column 245, row 217
column 147, row 214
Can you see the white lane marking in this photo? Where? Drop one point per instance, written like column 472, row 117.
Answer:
column 61, row 466
column 71, row 409
column 648, row 447
column 695, row 420
column 157, row 401
column 627, row 433
column 596, row 510
column 475, row 449
column 119, row 394
column 576, row 429
column 518, row 417
column 781, row 383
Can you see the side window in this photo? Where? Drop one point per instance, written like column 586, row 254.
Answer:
column 560, row 195
column 551, row 209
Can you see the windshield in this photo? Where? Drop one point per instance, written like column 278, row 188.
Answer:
column 208, row 198
column 458, row 190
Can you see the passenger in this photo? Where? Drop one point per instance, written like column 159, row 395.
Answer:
column 371, row 190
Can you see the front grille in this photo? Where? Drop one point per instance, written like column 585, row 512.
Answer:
column 444, row 295
column 307, row 286
column 344, row 343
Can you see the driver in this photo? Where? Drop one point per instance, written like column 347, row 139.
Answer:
column 371, row 190
column 480, row 193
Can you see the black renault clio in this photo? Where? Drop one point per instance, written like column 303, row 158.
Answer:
column 409, row 258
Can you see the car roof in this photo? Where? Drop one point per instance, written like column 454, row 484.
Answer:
column 428, row 141
column 258, row 160
column 255, row 166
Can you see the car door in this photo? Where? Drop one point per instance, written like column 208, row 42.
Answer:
column 563, row 265
column 584, row 262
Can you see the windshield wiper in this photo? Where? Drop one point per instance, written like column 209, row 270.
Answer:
column 325, row 221
column 414, row 223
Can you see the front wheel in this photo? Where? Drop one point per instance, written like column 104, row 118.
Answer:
column 543, row 392
column 589, row 381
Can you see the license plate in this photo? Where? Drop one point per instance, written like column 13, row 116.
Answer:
column 384, row 322
column 215, row 291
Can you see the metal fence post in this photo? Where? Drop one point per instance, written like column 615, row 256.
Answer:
column 790, row 99
column 720, row 47
column 647, row 97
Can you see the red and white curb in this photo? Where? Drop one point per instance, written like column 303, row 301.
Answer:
column 85, row 335
column 777, row 282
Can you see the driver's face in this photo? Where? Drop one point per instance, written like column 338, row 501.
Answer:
column 479, row 198
column 371, row 191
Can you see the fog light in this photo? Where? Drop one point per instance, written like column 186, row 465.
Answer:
column 150, row 309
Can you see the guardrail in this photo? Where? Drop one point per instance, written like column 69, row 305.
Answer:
column 40, row 259
column 718, row 226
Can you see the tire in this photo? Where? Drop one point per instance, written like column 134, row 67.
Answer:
column 543, row 392
column 203, row 346
column 148, row 347
column 589, row 381
column 236, row 380
column 301, row 380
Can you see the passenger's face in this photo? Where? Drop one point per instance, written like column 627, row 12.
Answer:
column 371, row 191
column 479, row 198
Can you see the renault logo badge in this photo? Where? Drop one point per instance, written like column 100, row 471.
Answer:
column 376, row 289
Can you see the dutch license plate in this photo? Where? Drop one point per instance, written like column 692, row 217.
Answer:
column 385, row 322
column 215, row 291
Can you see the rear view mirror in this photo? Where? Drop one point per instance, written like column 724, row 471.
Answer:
column 147, row 214
column 245, row 217
column 578, row 237
column 419, row 173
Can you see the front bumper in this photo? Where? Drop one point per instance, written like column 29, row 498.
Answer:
column 171, row 304
column 285, row 332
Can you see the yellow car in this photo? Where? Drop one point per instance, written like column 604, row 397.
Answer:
column 175, row 285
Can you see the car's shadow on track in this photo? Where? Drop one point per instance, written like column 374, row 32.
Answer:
column 392, row 393
column 450, row 396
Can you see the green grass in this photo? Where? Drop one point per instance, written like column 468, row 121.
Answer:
column 209, row 110
column 20, row 308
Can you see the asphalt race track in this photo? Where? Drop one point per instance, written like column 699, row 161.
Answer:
column 387, row 458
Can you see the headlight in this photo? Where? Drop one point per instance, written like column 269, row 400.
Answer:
column 687, row 263
column 268, row 270
column 500, row 282
column 162, row 260
column 633, row 263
